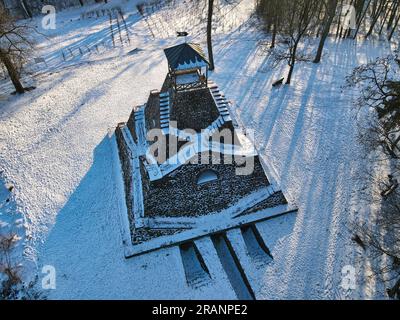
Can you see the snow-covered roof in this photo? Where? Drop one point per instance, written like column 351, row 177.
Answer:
column 186, row 56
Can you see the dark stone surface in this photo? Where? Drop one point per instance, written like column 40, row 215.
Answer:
column 152, row 112
column 170, row 148
column 218, row 137
column 131, row 125
column 178, row 194
column 194, row 109
column 125, row 160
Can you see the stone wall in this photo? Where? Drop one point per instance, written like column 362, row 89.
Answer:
column 125, row 159
column 131, row 124
column 194, row 109
column 152, row 112
column 178, row 194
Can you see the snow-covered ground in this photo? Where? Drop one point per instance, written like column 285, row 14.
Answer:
column 55, row 148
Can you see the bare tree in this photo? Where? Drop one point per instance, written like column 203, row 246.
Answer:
column 209, row 33
column 392, row 13
column 270, row 12
column 15, row 45
column 25, row 8
column 393, row 27
column 12, row 286
column 8, row 267
column 362, row 9
column 382, row 238
column 299, row 22
column 379, row 8
column 380, row 91
column 329, row 16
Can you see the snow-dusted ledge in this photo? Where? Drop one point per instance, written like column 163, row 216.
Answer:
column 207, row 230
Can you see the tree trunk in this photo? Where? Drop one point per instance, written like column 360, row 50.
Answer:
column 394, row 28
column 393, row 15
column 292, row 62
column 379, row 10
column 26, row 9
column 386, row 16
column 359, row 6
column 395, row 291
column 360, row 20
column 339, row 24
column 327, row 28
column 12, row 72
column 347, row 32
column 274, row 31
column 209, row 30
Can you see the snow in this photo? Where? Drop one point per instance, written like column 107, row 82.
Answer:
column 207, row 176
column 196, row 273
column 307, row 133
column 231, row 268
column 187, row 78
column 55, row 148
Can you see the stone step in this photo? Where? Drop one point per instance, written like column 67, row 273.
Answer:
column 218, row 94
column 227, row 118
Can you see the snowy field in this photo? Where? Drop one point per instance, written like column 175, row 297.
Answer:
column 58, row 151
